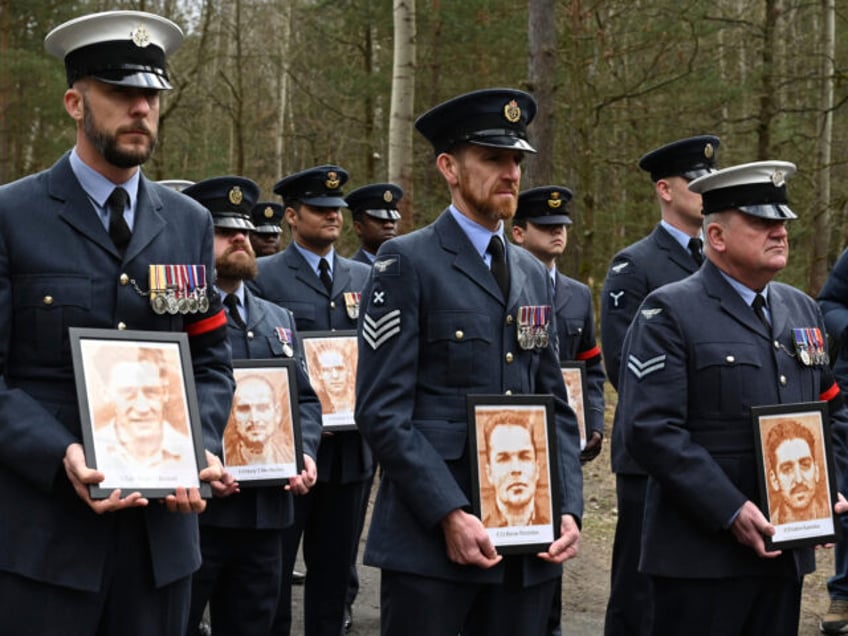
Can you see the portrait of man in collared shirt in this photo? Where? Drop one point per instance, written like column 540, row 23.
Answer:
column 140, row 423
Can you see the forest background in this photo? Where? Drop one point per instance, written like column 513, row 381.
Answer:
column 264, row 88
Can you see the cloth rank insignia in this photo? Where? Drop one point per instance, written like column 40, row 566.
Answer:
column 642, row 369
column 377, row 332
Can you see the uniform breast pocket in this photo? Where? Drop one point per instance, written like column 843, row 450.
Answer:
column 459, row 348
column 304, row 313
column 727, row 376
column 45, row 306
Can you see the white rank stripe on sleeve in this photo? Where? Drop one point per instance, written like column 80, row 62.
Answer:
column 641, row 369
column 377, row 332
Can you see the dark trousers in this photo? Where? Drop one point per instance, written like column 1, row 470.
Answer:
column 328, row 519
column 127, row 603
column 240, row 579
column 738, row 606
column 837, row 585
column 629, row 602
column 412, row 605
column 353, row 581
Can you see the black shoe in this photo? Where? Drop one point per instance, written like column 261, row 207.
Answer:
column 298, row 577
column 348, row 618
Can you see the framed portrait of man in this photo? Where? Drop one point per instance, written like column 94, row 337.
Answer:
column 262, row 443
column 331, row 358
column 796, row 473
column 574, row 377
column 513, row 450
column 138, row 410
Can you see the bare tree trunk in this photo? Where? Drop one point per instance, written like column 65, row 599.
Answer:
column 767, row 94
column 402, row 108
column 821, row 207
column 283, row 87
column 541, row 77
column 5, row 154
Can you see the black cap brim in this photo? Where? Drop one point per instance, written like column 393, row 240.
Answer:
column 325, row 202
column 504, row 141
column 773, row 211
column 550, row 219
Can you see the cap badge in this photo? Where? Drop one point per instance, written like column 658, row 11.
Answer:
column 554, row 202
column 140, row 36
column 236, row 195
column 778, row 178
column 512, row 112
column 269, row 212
column 332, row 181
column 709, row 151
column 387, row 196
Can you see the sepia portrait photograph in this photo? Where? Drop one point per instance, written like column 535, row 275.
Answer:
column 513, row 442
column 141, row 425
column 262, row 444
column 797, row 479
column 574, row 377
column 331, row 358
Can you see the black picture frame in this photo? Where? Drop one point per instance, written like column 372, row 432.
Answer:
column 105, row 379
column 574, row 378
column 275, row 380
column 793, row 446
column 325, row 351
column 534, row 413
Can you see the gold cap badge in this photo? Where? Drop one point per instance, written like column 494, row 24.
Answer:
column 709, row 151
column 387, row 196
column 236, row 195
column 269, row 212
column 554, row 202
column 332, row 181
column 512, row 112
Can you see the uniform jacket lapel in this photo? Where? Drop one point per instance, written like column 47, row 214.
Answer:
column 729, row 300
column 148, row 219
column 674, row 251
column 75, row 208
column 466, row 259
column 302, row 271
column 563, row 292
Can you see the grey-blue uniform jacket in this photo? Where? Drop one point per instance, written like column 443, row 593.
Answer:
column 271, row 506
column 286, row 279
column 575, row 320
column 635, row 271
column 59, row 269
column 455, row 336
column 697, row 359
column 833, row 300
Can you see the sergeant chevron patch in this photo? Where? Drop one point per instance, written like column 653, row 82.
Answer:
column 641, row 369
column 377, row 332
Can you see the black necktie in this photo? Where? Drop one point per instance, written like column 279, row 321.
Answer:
column 232, row 303
column 119, row 231
column 498, row 265
column 758, row 303
column 696, row 249
column 324, row 268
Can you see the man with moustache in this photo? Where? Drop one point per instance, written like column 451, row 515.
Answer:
column 671, row 252
column 241, row 530
column 322, row 289
column 446, row 314
column 699, row 354
column 375, row 217
column 79, row 245
column 254, row 435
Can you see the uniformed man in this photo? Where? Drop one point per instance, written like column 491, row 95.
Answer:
column 267, row 232
column 241, row 530
column 322, row 289
column 541, row 226
column 84, row 244
column 446, row 315
column 833, row 300
column 700, row 353
column 375, row 217
column 671, row 252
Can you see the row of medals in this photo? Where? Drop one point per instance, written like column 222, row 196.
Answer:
column 810, row 346
column 533, row 326
column 178, row 289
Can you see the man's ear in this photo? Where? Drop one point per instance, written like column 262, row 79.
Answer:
column 448, row 165
column 518, row 234
column 773, row 481
column 74, row 104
